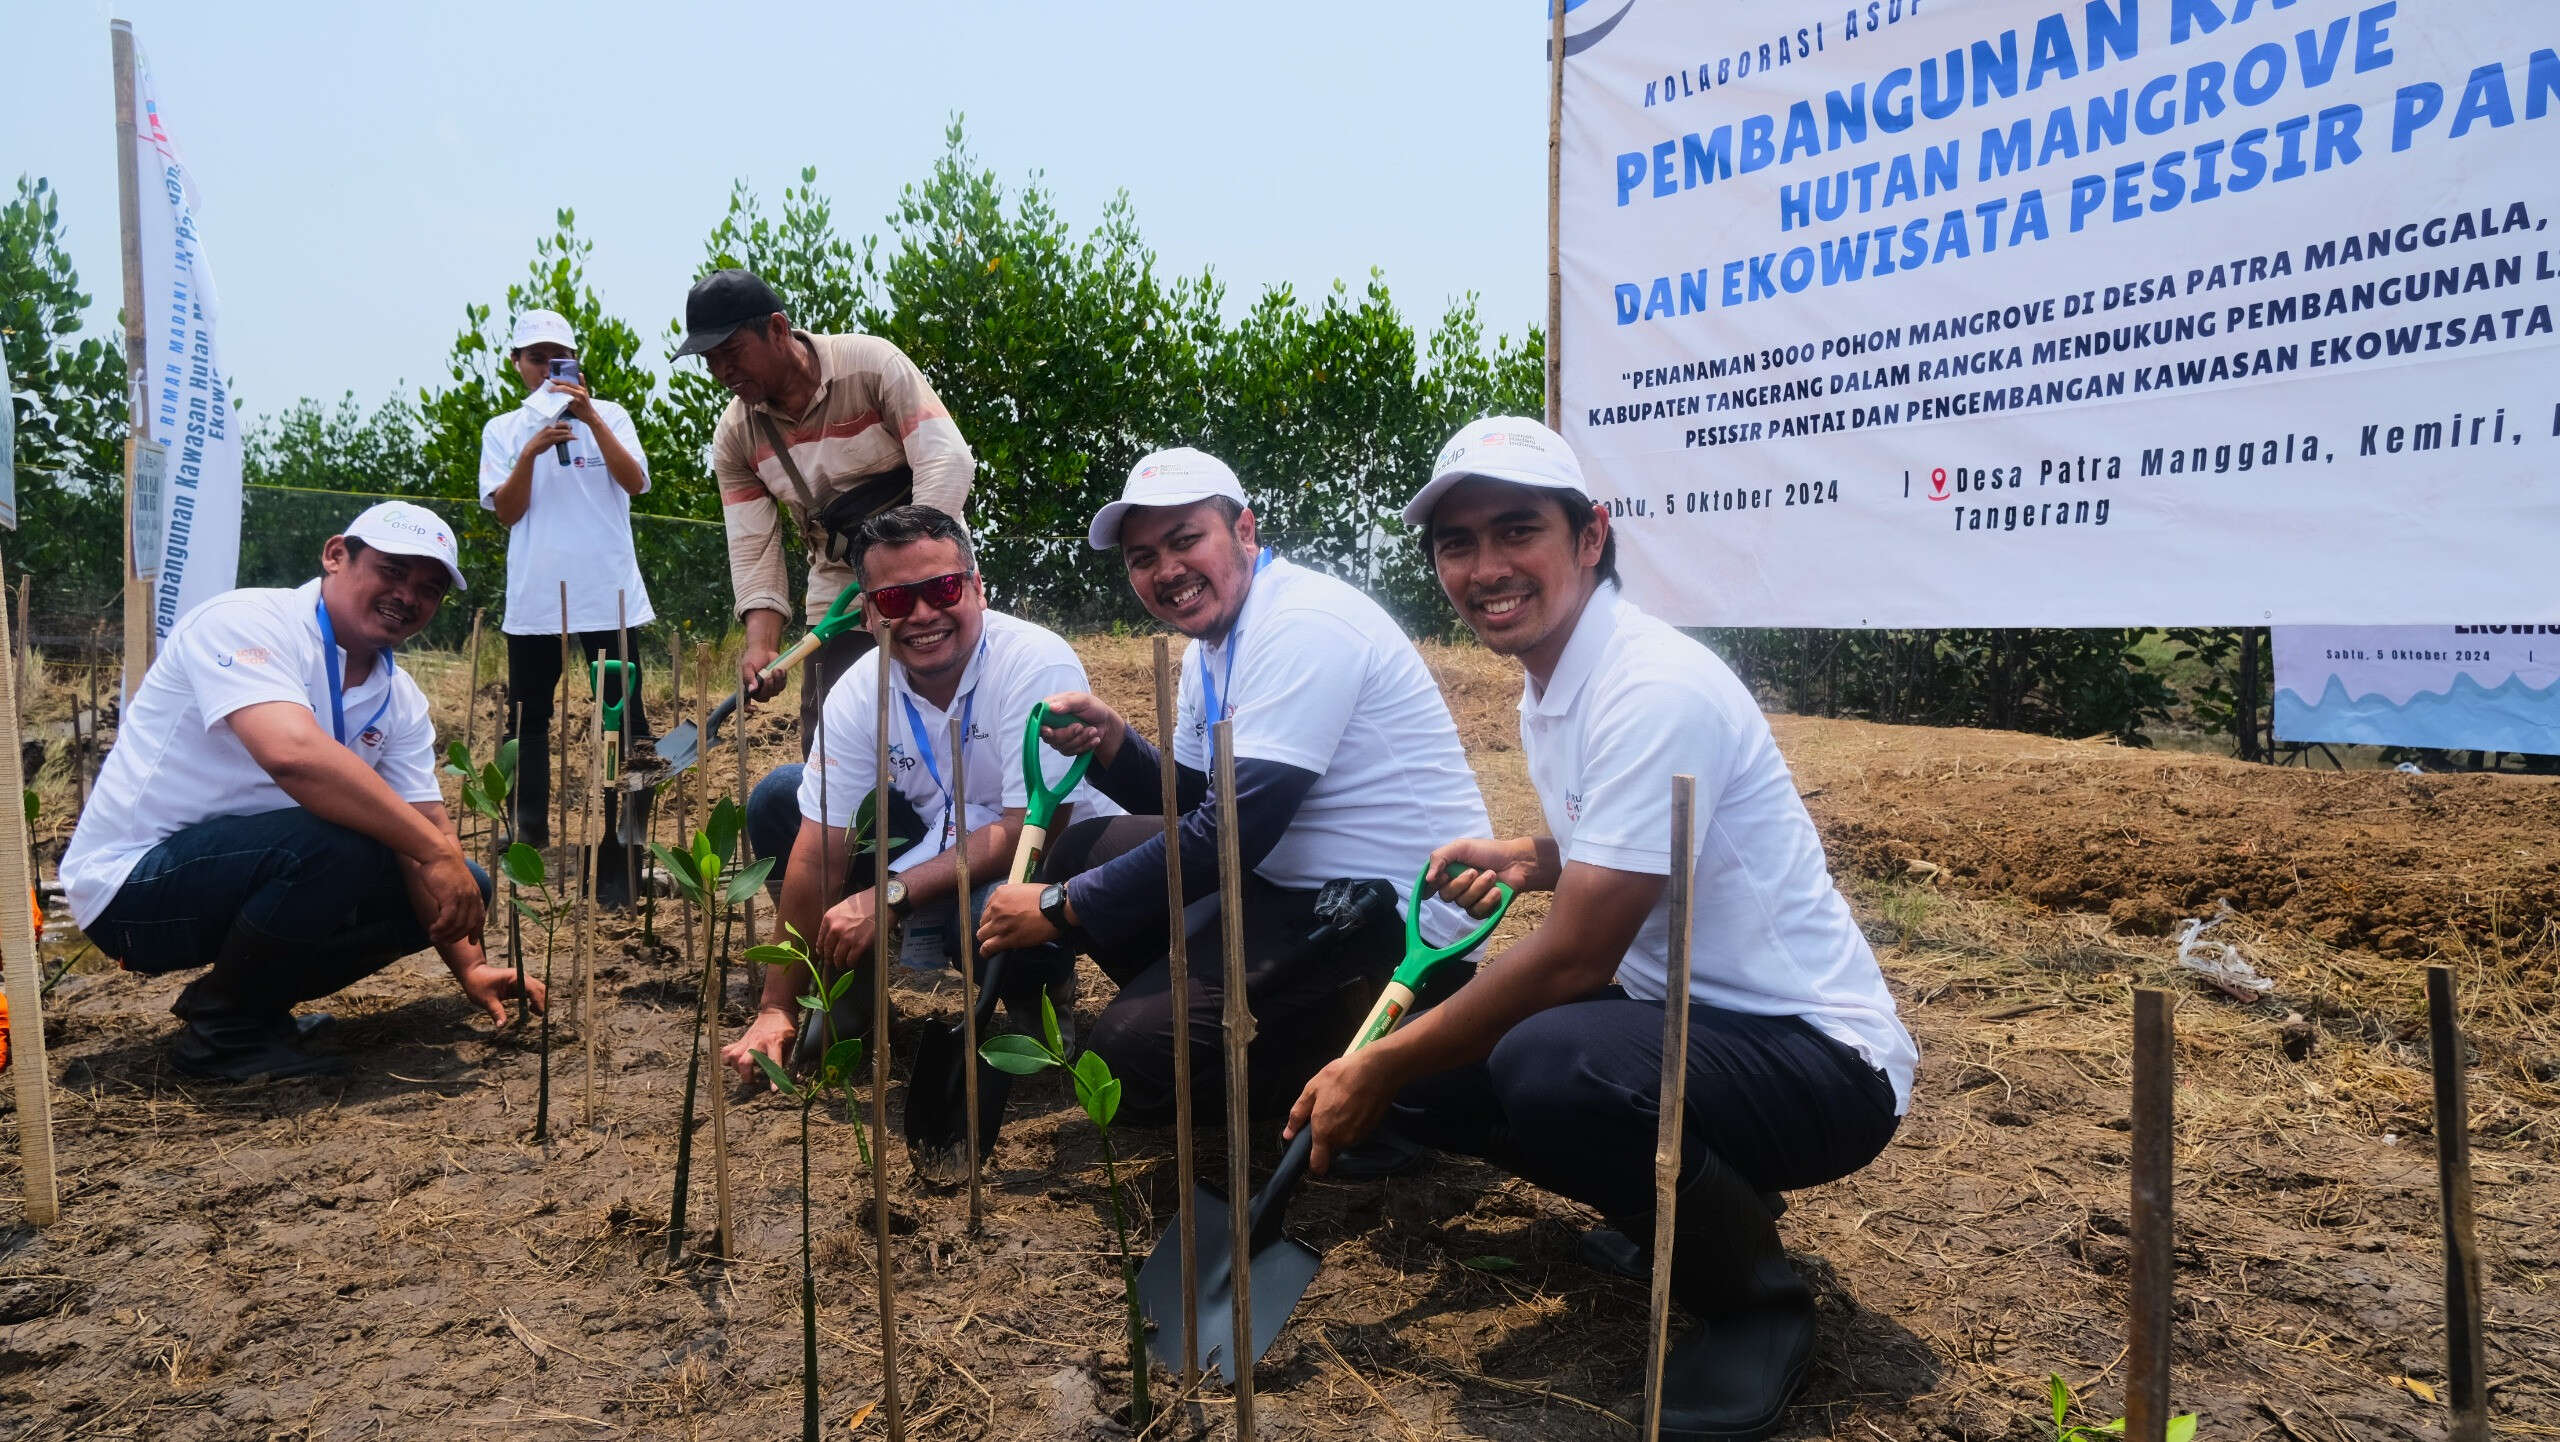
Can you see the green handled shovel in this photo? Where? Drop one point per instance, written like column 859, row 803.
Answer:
column 937, row 1089
column 682, row 746
column 1282, row 1266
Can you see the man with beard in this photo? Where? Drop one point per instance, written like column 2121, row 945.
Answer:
column 1549, row 1062
column 271, row 812
column 1347, row 767
column 835, row 427
column 951, row 658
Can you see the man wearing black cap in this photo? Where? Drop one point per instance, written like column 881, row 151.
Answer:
column 836, row 427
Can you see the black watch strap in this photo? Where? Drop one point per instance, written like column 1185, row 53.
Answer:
column 1053, row 905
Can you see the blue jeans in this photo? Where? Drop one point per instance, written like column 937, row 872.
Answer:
column 293, row 906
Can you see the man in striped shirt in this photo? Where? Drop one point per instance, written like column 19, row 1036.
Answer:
column 834, row 427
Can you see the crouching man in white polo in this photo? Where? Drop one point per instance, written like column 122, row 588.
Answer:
column 270, row 811
column 1549, row 1061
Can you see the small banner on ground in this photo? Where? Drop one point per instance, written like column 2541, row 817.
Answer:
column 183, row 391
column 2458, row 688
column 2067, row 312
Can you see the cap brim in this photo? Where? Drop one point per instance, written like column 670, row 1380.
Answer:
column 1418, row 510
column 1104, row 533
column 696, row 342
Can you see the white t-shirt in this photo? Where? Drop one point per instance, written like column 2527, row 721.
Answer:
column 1318, row 676
column 576, row 527
column 1632, row 703
column 1018, row 665
column 176, row 761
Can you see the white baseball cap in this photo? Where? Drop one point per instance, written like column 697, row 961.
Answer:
column 539, row 327
column 406, row 530
column 1178, row 477
column 1499, row 448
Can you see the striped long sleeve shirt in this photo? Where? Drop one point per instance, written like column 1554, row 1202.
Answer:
column 873, row 411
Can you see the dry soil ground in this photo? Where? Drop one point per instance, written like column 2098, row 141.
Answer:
column 387, row 1255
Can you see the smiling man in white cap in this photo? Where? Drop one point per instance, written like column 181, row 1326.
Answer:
column 1348, row 768
column 1549, row 1061
column 270, row 811
column 560, row 471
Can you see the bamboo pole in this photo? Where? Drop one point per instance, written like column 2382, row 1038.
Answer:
column 722, row 1213
column 1555, row 209
column 2146, row 1388
column 471, row 703
column 85, row 742
column 738, row 728
column 24, row 977
column 137, row 595
column 2466, row 1365
column 683, row 795
column 647, row 903
column 26, row 635
column 560, row 724
column 1178, row 975
column 1672, row 1107
column 895, row 1412
column 1236, row 1026
column 968, row 966
column 588, row 1021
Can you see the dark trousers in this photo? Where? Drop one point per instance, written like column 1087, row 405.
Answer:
column 1567, row 1101
column 1305, row 1005
column 291, row 906
column 533, row 678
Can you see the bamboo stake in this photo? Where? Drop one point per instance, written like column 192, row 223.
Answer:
column 2466, row 1365
column 683, row 795
column 721, row 1212
column 24, row 975
column 1236, row 1025
column 560, row 726
column 1178, row 974
column 738, row 721
column 1672, row 1107
column 88, row 739
column 471, row 702
column 2146, row 1387
column 1555, row 208
column 26, row 636
column 880, row 1041
column 646, row 900
column 968, row 964
column 588, row 1020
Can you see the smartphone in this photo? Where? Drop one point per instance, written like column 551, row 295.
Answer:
column 565, row 368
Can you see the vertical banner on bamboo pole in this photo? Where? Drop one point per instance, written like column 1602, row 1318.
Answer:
column 1237, row 1030
column 2146, row 1388
column 1672, row 1105
column 1555, row 188
column 18, row 964
column 179, row 380
column 139, row 453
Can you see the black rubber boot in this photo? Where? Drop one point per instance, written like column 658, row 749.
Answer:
column 1731, row 1379
column 226, row 1040
column 1624, row 1248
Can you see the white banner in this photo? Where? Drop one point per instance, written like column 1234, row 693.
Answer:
column 2067, row 312
column 183, row 390
column 2459, row 688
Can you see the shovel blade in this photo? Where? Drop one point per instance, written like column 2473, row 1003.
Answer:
column 680, row 747
column 937, row 1120
column 1282, row 1268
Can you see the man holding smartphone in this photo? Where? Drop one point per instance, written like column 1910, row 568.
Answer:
column 560, row 470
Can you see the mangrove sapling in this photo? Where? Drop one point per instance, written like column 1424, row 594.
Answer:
column 835, row 1069
column 702, row 874
column 525, row 871
column 485, row 789
column 2182, row 1428
column 1099, row 1092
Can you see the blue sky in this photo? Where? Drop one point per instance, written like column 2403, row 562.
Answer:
column 368, row 168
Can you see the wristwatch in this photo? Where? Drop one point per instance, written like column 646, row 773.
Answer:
column 897, row 896
column 1053, row 905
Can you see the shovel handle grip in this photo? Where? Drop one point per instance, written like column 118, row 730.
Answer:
column 1042, row 799
column 1419, row 958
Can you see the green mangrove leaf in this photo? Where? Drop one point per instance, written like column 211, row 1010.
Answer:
column 746, row 883
column 1020, row 1055
column 774, row 1073
column 524, row 865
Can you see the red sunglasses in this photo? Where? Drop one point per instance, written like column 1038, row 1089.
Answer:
column 898, row 602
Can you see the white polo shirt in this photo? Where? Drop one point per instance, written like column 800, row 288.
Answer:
column 1632, row 703
column 1318, row 676
column 576, row 527
column 176, row 761
column 1017, row 666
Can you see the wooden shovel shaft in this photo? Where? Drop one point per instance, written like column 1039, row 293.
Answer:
column 1393, row 1003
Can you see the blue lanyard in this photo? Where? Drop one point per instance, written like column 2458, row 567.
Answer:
column 924, row 743
column 1235, row 643
column 337, row 688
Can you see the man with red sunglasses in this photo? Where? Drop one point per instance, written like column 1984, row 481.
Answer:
column 950, row 659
